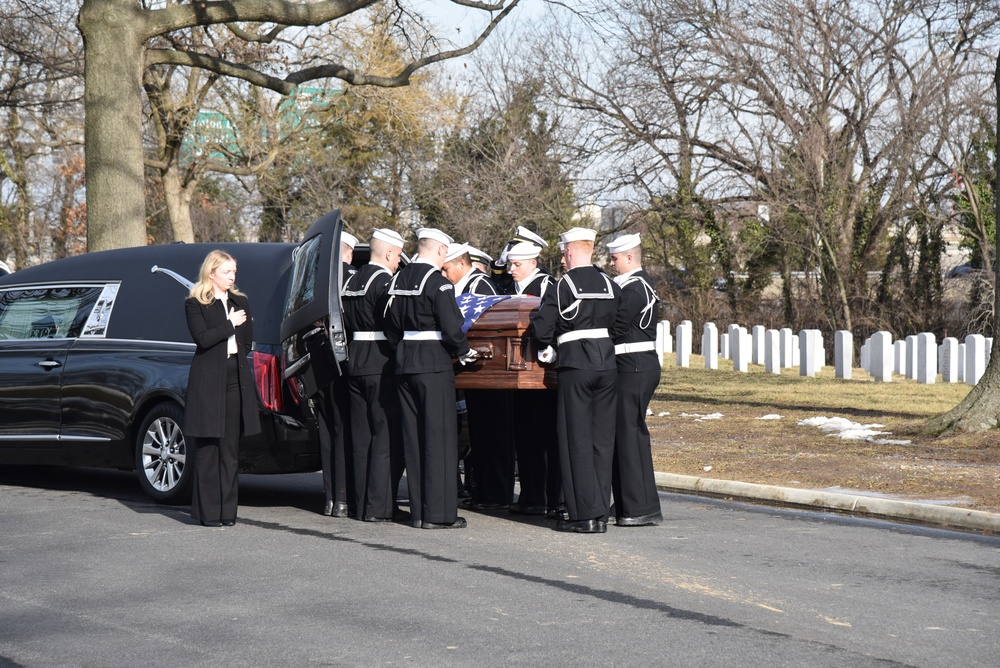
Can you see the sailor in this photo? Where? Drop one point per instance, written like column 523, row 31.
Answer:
column 577, row 315
column 334, row 422
column 481, row 260
column 490, row 464
column 424, row 325
column 376, row 439
column 636, row 501
column 500, row 268
column 537, row 448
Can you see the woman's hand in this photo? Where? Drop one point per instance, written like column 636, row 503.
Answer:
column 238, row 317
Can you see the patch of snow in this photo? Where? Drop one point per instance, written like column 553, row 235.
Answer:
column 706, row 468
column 850, row 430
column 770, row 416
column 663, row 413
column 649, row 412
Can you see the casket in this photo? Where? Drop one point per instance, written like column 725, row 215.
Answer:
column 508, row 358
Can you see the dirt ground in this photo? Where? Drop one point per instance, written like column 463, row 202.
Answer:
column 707, row 423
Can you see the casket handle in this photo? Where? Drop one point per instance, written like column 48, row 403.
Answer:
column 485, row 352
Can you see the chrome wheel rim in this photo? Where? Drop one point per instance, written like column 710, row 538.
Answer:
column 163, row 454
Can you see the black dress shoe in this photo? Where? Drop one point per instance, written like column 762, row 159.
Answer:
column 228, row 523
column 339, row 509
column 211, row 523
column 369, row 518
column 490, row 506
column 640, row 520
column 582, row 526
column 526, row 509
column 328, row 508
column 459, row 523
column 558, row 513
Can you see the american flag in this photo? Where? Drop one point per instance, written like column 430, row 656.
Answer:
column 473, row 306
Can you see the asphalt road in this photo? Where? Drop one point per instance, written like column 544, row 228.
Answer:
column 92, row 574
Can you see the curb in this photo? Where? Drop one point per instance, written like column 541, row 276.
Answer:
column 962, row 518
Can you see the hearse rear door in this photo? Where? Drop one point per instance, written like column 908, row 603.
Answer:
column 312, row 331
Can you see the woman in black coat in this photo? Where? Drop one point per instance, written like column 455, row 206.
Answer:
column 221, row 396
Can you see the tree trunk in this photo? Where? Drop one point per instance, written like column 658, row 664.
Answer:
column 116, row 207
column 178, row 198
column 980, row 409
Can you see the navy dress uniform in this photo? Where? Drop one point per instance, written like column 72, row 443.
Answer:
column 499, row 272
column 633, row 483
column 333, row 425
column 424, row 325
column 537, row 446
column 492, row 456
column 577, row 315
column 376, row 439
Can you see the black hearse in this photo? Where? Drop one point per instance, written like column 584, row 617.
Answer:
column 95, row 351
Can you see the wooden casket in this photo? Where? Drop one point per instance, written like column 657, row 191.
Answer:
column 508, row 358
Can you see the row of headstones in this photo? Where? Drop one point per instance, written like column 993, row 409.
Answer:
column 917, row 357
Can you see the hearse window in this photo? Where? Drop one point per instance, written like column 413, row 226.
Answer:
column 46, row 313
column 305, row 268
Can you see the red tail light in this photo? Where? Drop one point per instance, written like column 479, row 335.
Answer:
column 267, row 374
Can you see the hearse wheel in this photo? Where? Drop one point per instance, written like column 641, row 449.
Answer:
column 161, row 456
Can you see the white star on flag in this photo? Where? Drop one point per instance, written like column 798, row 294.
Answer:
column 472, row 306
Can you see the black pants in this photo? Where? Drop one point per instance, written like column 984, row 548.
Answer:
column 536, row 442
column 375, row 443
column 632, row 478
column 216, row 460
column 430, row 444
column 334, row 451
column 492, row 445
column 588, row 402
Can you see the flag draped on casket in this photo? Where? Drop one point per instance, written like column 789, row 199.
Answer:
column 473, row 306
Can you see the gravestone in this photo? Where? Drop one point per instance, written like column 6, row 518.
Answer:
column 881, row 357
column 948, row 353
column 710, row 345
column 757, row 357
column 739, row 348
column 843, row 353
column 899, row 357
column 975, row 358
column 926, row 358
column 772, row 351
column 787, row 348
column 911, row 356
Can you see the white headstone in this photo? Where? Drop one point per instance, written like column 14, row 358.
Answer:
column 662, row 339
column 739, row 348
column 787, row 350
column 911, row 356
column 865, row 355
column 710, row 345
column 949, row 359
column 757, row 356
column 899, row 357
column 808, row 352
column 961, row 362
column 926, row 358
column 724, row 345
column 668, row 339
column 683, row 334
column 772, row 351
column 843, row 353
column 975, row 358
column 881, row 357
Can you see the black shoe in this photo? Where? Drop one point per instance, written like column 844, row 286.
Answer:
column 328, row 508
column 369, row 518
column 459, row 523
column 582, row 526
column 339, row 509
column 490, row 506
column 525, row 509
column 212, row 523
column 558, row 513
column 228, row 523
column 401, row 516
column 640, row 520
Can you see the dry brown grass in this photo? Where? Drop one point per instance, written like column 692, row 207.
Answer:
column 962, row 469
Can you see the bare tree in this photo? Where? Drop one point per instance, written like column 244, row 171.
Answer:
column 118, row 37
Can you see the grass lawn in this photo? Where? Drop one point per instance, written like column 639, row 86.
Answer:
column 963, row 470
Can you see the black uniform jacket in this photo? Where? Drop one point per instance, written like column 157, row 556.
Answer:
column 583, row 299
column 364, row 297
column 204, row 410
column 637, row 322
column 422, row 300
column 536, row 288
column 479, row 284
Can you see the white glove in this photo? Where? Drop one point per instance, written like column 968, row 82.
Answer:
column 468, row 358
column 547, row 356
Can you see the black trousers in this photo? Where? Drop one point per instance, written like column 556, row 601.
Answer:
column 536, row 442
column 216, row 492
column 632, row 478
column 376, row 441
column 430, row 444
column 334, row 451
column 587, row 404
column 492, row 445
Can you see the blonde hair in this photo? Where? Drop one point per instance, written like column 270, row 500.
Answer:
column 203, row 290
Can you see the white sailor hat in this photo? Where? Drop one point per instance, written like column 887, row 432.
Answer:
column 348, row 238
column 523, row 251
column 436, row 235
column 455, row 251
column 623, row 243
column 391, row 237
column 524, row 234
column 479, row 256
column 578, row 234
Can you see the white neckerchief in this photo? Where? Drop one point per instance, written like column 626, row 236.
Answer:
column 621, row 278
column 464, row 281
column 521, row 285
